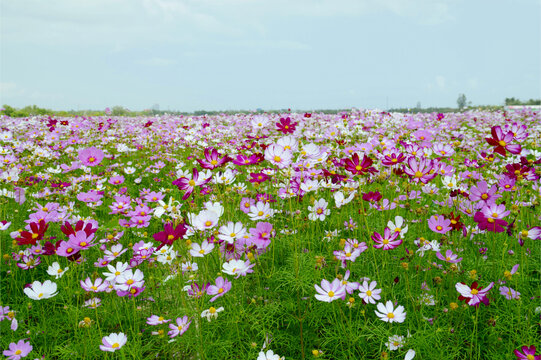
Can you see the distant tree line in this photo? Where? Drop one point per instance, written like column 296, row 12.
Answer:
column 513, row 101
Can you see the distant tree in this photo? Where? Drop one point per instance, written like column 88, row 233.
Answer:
column 461, row 101
column 418, row 106
column 119, row 111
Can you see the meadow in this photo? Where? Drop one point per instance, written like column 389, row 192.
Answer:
column 358, row 235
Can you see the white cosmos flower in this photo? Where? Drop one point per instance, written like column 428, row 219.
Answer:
column 238, row 267
column 212, row 313
column 206, row 219
column 40, row 291
column 340, row 199
column 231, row 232
column 386, row 312
column 56, row 271
column 398, row 226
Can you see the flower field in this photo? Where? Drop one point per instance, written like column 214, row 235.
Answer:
column 362, row 235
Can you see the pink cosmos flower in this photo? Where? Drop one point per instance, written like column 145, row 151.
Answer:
column 388, row 241
column 157, row 320
column 189, row 185
column 420, row 170
column 509, row 293
column 91, row 156
column 182, row 324
column 212, row 159
column 220, row 289
column 439, row 224
column 482, row 193
column 18, row 350
column 278, row 156
column 449, row 257
column 330, row 291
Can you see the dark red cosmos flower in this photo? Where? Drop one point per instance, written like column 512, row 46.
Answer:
column 212, row 159
column 502, row 141
column 36, row 234
column 335, row 178
column 258, row 178
column 359, row 168
column 285, row 126
column 170, row 234
column 372, row 196
column 148, row 123
column 455, row 221
column 307, row 115
column 68, row 229
column 515, row 170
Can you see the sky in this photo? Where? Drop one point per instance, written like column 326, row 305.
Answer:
column 192, row 55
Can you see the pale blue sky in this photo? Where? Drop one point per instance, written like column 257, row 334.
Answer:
column 247, row 54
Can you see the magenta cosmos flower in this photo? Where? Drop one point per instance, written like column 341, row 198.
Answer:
column 527, row 353
column 387, row 241
column 449, row 257
column 91, row 156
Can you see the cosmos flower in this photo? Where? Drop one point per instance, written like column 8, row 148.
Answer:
column 113, row 342
column 388, row 241
column 473, row 295
column 40, row 291
column 238, row 267
column 211, row 313
column 18, row 350
column 182, row 324
column 368, row 292
column 389, row 314
column 91, row 156
column 221, row 287
column 329, row 292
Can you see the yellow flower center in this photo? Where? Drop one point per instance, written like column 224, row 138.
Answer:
column 390, row 315
column 484, row 196
column 220, row 290
column 502, row 143
column 170, row 237
column 115, row 345
column 18, row 352
column 201, row 251
column 331, row 294
column 35, row 236
column 418, row 174
column 130, row 281
column 474, row 291
column 277, row 159
column 208, row 223
column 438, row 228
column 214, row 162
column 260, row 213
column 369, row 293
column 191, row 183
column 160, row 318
column 83, row 243
column 91, row 159
column 212, row 310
